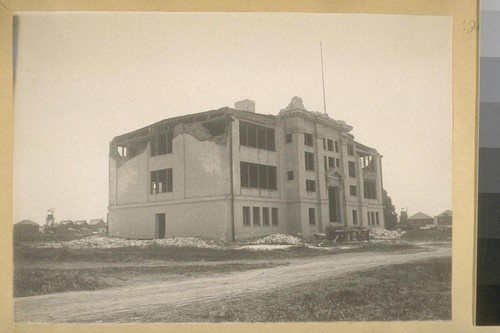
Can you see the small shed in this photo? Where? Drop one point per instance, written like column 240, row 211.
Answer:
column 98, row 225
column 26, row 227
column 81, row 224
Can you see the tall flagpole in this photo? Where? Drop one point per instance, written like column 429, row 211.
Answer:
column 322, row 76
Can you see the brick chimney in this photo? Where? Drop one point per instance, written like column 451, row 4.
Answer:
column 245, row 105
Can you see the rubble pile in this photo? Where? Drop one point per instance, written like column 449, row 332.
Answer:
column 384, row 234
column 109, row 242
column 279, row 239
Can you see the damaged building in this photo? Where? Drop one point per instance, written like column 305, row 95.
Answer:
column 233, row 173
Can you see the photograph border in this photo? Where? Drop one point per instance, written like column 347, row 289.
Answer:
column 464, row 90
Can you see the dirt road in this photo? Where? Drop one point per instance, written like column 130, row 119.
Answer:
column 122, row 301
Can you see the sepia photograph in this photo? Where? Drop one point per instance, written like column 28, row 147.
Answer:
column 197, row 167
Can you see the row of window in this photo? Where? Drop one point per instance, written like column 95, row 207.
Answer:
column 331, row 145
column 331, row 162
column 367, row 162
column 269, row 216
column 373, row 218
column 258, row 176
column 256, row 136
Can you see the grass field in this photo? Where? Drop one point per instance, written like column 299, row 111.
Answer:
column 416, row 291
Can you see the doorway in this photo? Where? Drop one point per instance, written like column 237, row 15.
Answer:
column 334, row 203
column 160, row 226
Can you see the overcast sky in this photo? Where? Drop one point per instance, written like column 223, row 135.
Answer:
column 83, row 78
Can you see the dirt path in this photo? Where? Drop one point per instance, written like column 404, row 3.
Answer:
column 123, row 301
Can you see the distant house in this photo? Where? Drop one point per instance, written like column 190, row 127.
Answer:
column 443, row 220
column 98, row 225
column 68, row 223
column 60, row 228
column 420, row 220
column 81, row 224
column 26, row 227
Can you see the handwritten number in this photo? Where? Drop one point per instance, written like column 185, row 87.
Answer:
column 469, row 26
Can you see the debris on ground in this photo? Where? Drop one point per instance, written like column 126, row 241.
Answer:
column 102, row 242
column 279, row 239
column 384, row 234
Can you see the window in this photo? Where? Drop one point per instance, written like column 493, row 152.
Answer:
column 265, row 216
column 352, row 169
column 330, row 145
column 161, row 143
column 288, row 138
column 123, row 151
column 308, row 139
column 337, row 146
column 331, row 162
column 324, row 143
column 355, row 217
column 373, row 218
column 377, row 218
column 367, row 162
column 326, row 162
column 256, row 216
column 312, row 216
column 337, row 162
column 246, row 215
column 370, row 191
column 161, row 181
column 258, row 176
column 369, row 221
column 350, row 149
column 289, row 175
column 353, row 190
column 256, row 136
column 309, row 157
column 310, row 185
column 274, row 216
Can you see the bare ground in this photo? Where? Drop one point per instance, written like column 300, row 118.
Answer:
column 116, row 304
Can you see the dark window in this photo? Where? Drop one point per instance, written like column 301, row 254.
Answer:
column 256, row 216
column 308, row 139
column 289, row 175
column 377, row 218
column 373, row 218
column 310, row 185
column 337, row 146
column 326, row 163
column 270, row 142
column 258, row 176
column 256, row 136
column 246, row 215
column 161, row 181
column 265, row 215
column 263, row 177
column 309, row 157
column 355, row 217
column 324, row 143
column 252, row 135
column 330, row 145
column 312, row 216
column 331, row 162
column 353, row 190
column 350, row 149
column 369, row 221
column 161, row 143
column 274, row 216
column 254, row 175
column 288, row 138
column 245, row 173
column 337, row 162
column 352, row 169
column 370, row 191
